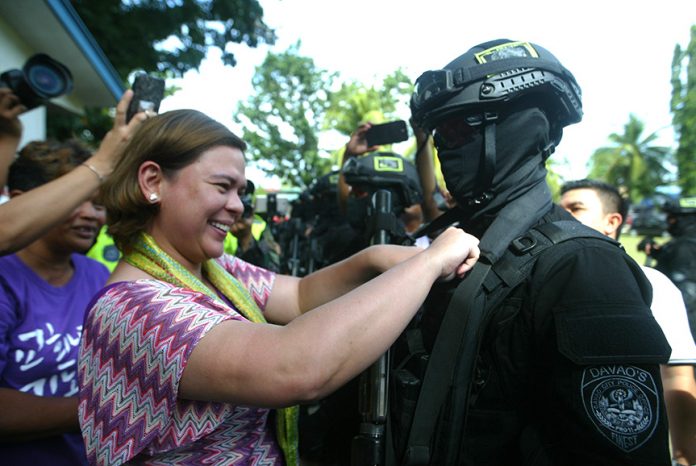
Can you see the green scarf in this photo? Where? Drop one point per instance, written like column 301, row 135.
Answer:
column 146, row 255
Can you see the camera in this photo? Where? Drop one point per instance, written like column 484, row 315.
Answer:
column 41, row 78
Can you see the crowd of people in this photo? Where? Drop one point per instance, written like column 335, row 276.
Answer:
column 149, row 314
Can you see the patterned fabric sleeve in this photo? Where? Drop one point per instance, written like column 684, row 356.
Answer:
column 137, row 339
column 257, row 280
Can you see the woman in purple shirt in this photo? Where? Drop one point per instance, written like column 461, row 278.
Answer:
column 44, row 290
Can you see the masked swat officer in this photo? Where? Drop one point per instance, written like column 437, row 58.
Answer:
column 677, row 258
column 563, row 368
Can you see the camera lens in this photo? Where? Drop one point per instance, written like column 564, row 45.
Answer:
column 41, row 79
column 46, row 77
column 45, row 81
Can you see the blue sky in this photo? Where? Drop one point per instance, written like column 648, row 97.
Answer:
column 620, row 52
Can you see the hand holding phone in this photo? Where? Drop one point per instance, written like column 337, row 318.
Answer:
column 387, row 133
column 148, row 92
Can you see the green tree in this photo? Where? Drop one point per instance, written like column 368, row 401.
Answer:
column 684, row 112
column 295, row 102
column 132, row 33
column 354, row 103
column 283, row 119
column 631, row 161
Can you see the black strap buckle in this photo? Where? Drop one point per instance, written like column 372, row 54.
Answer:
column 523, row 244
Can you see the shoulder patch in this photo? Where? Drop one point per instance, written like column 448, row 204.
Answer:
column 622, row 402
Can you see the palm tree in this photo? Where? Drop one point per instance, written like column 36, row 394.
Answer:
column 632, row 162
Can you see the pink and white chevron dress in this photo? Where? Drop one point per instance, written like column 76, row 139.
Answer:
column 136, row 341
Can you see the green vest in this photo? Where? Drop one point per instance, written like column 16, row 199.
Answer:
column 104, row 250
column 257, row 229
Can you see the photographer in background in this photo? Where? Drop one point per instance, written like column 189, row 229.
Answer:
column 600, row 206
column 409, row 195
column 328, row 427
column 356, row 146
column 26, row 218
column 390, row 172
column 250, row 239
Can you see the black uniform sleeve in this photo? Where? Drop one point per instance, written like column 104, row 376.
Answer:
column 598, row 348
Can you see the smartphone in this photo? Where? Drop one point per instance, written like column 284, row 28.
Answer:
column 387, row 133
column 148, row 92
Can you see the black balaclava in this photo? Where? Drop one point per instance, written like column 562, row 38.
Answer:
column 683, row 225
column 520, row 140
column 518, row 195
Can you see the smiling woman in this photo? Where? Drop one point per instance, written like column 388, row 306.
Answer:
column 186, row 349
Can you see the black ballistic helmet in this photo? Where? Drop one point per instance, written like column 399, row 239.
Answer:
column 493, row 74
column 385, row 170
column 42, row 78
column 682, row 206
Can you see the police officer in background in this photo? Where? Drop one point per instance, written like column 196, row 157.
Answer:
column 250, row 239
column 327, row 428
column 566, row 368
column 677, row 258
column 104, row 249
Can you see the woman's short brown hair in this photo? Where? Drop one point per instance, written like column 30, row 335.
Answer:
column 173, row 140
